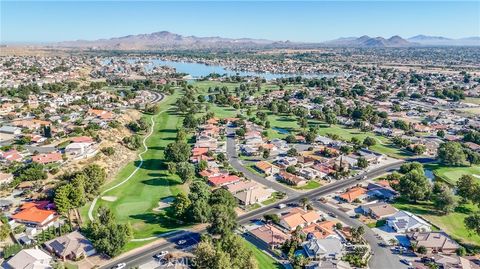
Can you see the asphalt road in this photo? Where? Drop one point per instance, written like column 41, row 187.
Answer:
column 235, row 163
column 146, row 256
column 381, row 258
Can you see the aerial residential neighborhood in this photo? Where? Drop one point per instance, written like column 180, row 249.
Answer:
column 294, row 146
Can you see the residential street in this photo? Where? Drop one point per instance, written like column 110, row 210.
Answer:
column 383, row 257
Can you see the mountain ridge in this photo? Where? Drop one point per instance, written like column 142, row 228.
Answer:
column 169, row 40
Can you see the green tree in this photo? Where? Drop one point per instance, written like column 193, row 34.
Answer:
column 451, row 154
column 177, row 152
column 369, row 141
column 472, row 223
column 468, row 188
column 5, row 231
column 181, row 205
column 414, row 186
column 223, row 197
column 186, row 171
column 362, row 162
column 444, row 199
column 223, row 220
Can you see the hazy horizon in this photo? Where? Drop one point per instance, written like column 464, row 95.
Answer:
column 45, row 22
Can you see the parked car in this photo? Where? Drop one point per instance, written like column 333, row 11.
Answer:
column 280, row 206
column 119, row 266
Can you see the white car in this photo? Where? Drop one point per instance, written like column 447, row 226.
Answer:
column 119, row 266
column 160, row 255
column 282, row 206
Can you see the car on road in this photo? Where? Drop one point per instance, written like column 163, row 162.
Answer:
column 119, row 266
column 331, row 214
column 280, row 206
column 407, row 262
column 181, row 242
column 160, row 255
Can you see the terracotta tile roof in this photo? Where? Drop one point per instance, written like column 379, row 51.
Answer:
column 34, row 215
column 353, row 194
column 81, row 139
column 199, row 151
column 270, row 234
column 263, row 165
column 47, row 158
column 223, row 180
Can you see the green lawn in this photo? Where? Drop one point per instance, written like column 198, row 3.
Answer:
column 264, row 260
column 136, row 199
column 472, row 100
column 452, row 174
column 311, row 184
column 452, row 223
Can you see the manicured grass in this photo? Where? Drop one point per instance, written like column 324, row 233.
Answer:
column 452, row 224
column 270, row 201
column 452, row 174
column 311, row 184
column 377, row 224
column 253, row 207
column 472, row 100
column 264, row 260
column 136, row 199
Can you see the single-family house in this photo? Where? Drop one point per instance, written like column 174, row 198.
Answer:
column 298, row 217
column 323, row 249
column 6, row 129
column 72, row 246
column 434, row 242
column 403, row 222
column 267, row 168
column 221, row 180
column 35, row 214
column 254, row 195
column 54, row 157
column 353, row 194
column 291, row 179
column 270, row 235
column 379, row 210
column 29, row 259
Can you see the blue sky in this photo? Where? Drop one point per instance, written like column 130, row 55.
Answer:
column 40, row 21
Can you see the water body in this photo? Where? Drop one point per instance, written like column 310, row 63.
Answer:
column 429, row 174
column 281, row 130
column 198, row 70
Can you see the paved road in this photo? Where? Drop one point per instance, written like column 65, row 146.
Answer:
column 235, row 163
column 146, row 255
column 383, row 257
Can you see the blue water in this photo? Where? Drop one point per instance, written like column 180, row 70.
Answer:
column 281, row 130
column 197, row 70
column 429, row 174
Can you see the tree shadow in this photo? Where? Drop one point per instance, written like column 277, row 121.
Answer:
column 151, row 164
column 159, row 218
column 164, row 182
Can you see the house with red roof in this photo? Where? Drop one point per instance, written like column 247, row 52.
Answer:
column 222, row 180
column 54, row 157
column 35, row 214
column 11, row 156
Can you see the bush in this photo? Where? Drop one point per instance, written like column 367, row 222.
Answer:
column 11, row 250
column 108, row 151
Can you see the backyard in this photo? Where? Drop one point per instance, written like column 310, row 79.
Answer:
column 264, row 261
column 452, row 224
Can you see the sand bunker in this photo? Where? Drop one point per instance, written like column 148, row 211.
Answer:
column 109, row 198
column 164, row 203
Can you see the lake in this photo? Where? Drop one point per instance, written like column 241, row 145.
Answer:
column 198, row 70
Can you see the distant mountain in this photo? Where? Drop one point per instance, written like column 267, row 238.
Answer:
column 166, row 40
column 370, row 42
column 444, row 41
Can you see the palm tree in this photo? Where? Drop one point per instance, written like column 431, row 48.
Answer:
column 304, row 202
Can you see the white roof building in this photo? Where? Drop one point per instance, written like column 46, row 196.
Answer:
column 404, row 221
column 29, row 259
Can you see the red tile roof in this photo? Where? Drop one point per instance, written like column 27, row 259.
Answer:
column 47, row 158
column 223, row 180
